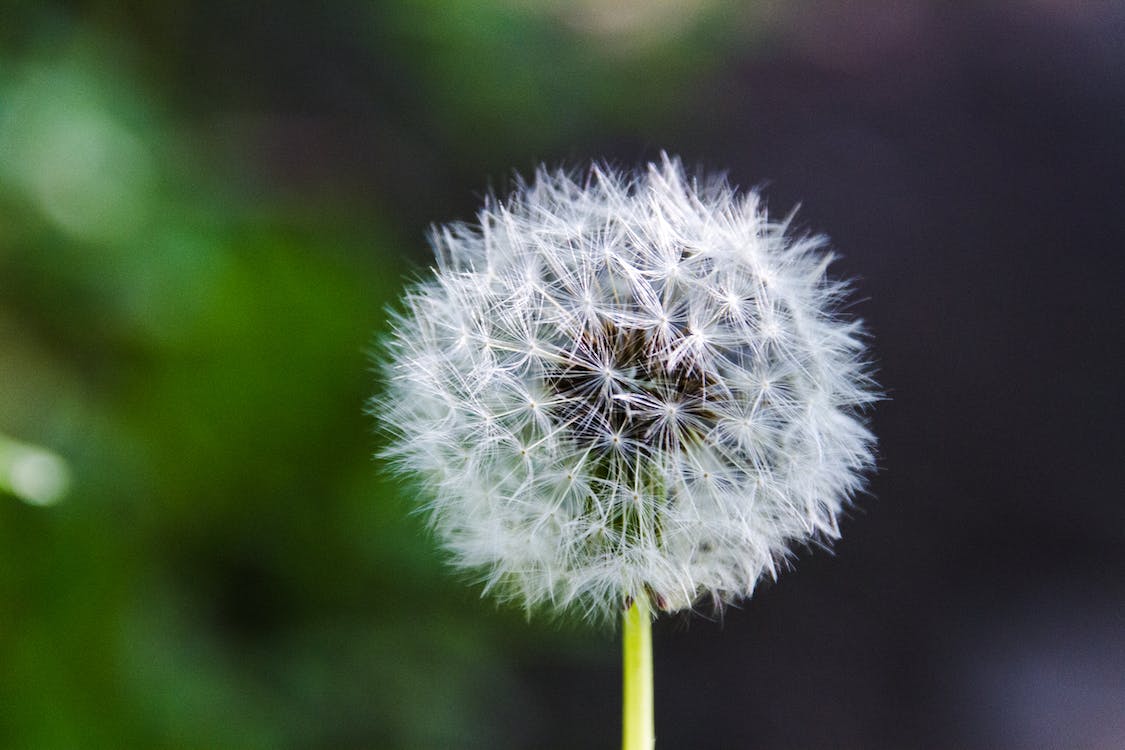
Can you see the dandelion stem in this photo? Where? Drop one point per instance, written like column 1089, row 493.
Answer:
column 637, row 724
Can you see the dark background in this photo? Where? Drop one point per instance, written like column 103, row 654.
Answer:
column 205, row 209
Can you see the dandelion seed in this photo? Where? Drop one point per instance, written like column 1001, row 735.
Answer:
column 684, row 399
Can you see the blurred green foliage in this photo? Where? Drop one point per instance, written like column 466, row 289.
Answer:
column 529, row 76
column 229, row 567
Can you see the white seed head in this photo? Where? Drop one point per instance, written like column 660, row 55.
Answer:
column 625, row 385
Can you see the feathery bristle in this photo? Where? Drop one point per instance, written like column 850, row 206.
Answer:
column 619, row 385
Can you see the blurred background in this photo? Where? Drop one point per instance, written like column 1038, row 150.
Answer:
column 206, row 207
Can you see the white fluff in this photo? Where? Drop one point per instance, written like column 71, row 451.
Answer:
column 625, row 385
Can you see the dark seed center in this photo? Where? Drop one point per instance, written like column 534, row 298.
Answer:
column 616, row 372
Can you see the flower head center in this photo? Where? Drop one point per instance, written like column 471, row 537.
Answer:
column 632, row 396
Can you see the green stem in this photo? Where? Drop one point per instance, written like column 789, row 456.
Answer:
column 637, row 725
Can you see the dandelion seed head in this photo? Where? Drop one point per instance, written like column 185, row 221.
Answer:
column 616, row 385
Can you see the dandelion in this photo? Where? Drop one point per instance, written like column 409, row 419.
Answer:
column 628, row 392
